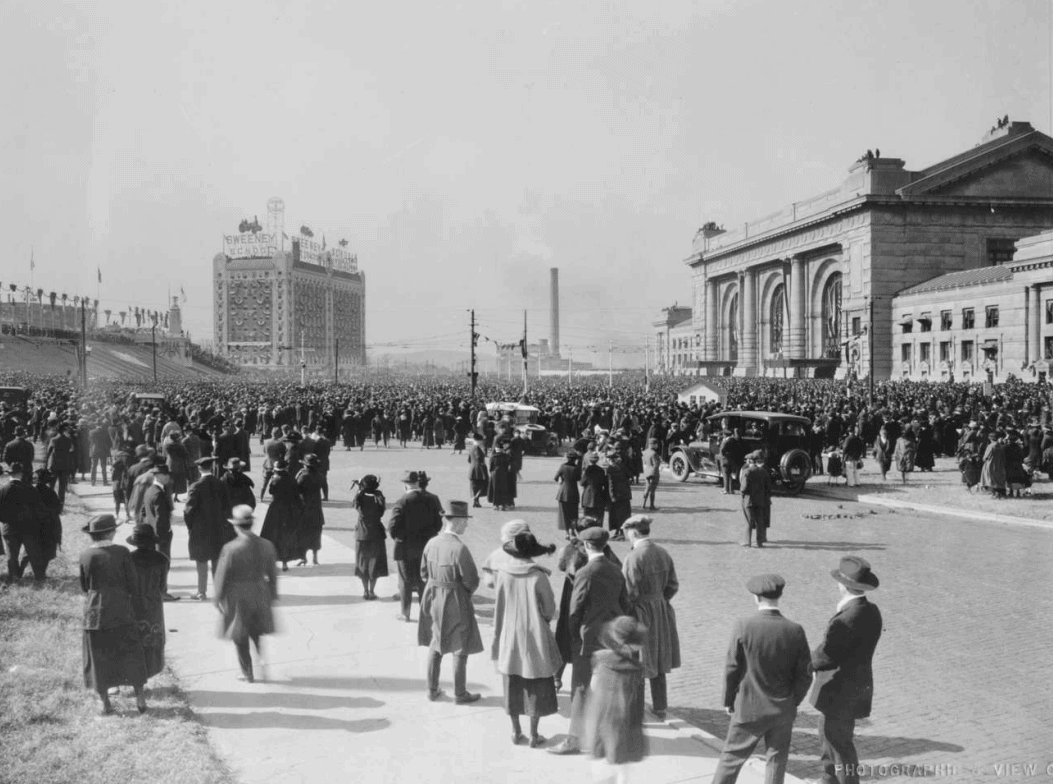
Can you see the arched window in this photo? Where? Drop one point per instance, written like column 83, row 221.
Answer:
column 832, row 317
column 733, row 329
column 778, row 308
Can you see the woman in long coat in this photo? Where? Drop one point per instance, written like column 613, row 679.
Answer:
column 883, row 449
column 281, row 526
column 478, row 475
column 151, row 573
column 313, row 519
column 524, row 649
column 113, row 653
column 904, row 455
column 246, row 587
column 992, row 475
column 371, row 555
column 924, row 459
column 240, row 487
column 615, row 707
column 176, row 457
column 439, row 429
column 500, row 490
column 594, row 489
column 567, row 497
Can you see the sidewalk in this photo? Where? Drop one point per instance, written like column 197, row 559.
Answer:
column 344, row 693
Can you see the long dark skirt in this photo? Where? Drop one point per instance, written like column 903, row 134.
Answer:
column 566, row 516
column 620, row 511
column 530, row 696
column 153, row 642
column 371, row 560
column 113, row 657
column 563, row 621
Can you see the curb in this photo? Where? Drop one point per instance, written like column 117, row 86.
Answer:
column 951, row 511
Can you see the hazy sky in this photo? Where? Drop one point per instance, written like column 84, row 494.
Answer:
column 464, row 148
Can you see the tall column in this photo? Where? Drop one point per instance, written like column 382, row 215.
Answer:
column 748, row 335
column 712, row 319
column 798, row 289
column 1035, row 352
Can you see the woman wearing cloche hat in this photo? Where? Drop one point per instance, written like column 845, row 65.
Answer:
column 151, row 576
column 113, row 653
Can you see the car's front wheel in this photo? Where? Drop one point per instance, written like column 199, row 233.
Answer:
column 679, row 467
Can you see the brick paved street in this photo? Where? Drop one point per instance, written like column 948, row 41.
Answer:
column 966, row 607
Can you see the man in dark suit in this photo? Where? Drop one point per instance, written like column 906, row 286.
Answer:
column 61, row 461
column 415, row 518
column 599, row 596
column 844, row 679
column 19, row 450
column 755, row 486
column 766, row 677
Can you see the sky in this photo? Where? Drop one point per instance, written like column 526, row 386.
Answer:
column 464, row 148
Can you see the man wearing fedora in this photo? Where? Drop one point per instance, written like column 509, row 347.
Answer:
column 599, row 596
column 844, row 678
column 206, row 515
column 22, row 516
column 755, row 484
column 447, row 618
column 157, row 513
column 415, row 518
column 766, row 678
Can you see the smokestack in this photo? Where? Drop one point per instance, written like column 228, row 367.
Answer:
column 553, row 306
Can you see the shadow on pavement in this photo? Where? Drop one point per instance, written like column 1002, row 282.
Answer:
column 315, row 601
column 696, row 541
column 679, row 747
column 366, row 683
column 792, row 544
column 282, row 699
column 292, row 721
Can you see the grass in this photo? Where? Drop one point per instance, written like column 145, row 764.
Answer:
column 50, row 728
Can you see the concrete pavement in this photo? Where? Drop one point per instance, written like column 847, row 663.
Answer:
column 343, row 692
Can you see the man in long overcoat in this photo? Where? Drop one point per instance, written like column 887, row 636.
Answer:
column 20, row 450
column 593, row 488
column 447, row 618
column 415, row 518
column 844, row 677
column 756, row 498
column 478, row 476
column 599, row 596
column 650, row 581
column 22, row 516
column 766, row 677
column 246, row 587
column 62, row 461
column 157, row 513
column 206, row 515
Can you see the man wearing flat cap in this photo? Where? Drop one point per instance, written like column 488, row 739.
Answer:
column 599, row 596
column 756, row 491
column 844, row 676
column 415, row 518
column 767, row 676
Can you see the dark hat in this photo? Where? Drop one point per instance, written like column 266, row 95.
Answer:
column 595, row 535
column 280, row 467
column 854, row 572
column 410, row 478
column 16, row 467
column 525, row 545
column 20, row 431
column 242, row 516
column 42, row 475
column 369, row 482
column 640, row 522
column 623, row 631
column 757, row 455
column 310, row 460
column 768, row 586
column 458, row 511
column 142, row 451
column 160, row 468
column 100, row 524
column 207, row 460
column 143, row 535
column 234, row 464
column 572, row 456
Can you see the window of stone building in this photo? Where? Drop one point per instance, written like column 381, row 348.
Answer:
column 967, row 351
column 832, row 317
column 1049, row 311
column 992, row 316
column 945, row 351
column 908, row 326
column 1049, row 348
column 968, row 318
column 945, row 320
column 778, row 306
column 926, row 323
column 924, row 351
column 905, row 352
column 1000, row 249
column 857, row 326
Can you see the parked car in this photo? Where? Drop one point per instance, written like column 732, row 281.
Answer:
column 15, row 397
column 782, row 437
column 538, row 440
column 148, row 399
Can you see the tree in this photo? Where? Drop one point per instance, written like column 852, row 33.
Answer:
column 124, row 315
column 107, row 312
column 306, row 231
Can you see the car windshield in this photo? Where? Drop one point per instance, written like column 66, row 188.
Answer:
column 795, row 429
column 526, row 417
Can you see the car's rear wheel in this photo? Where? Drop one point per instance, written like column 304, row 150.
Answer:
column 795, row 467
column 679, row 467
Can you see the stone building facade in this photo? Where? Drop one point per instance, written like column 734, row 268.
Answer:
column 808, row 291
column 979, row 325
column 675, row 342
column 267, row 306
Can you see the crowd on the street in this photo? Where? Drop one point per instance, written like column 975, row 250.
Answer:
column 614, row 622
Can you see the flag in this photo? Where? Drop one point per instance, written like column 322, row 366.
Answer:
column 98, row 270
column 32, row 262
column 182, row 291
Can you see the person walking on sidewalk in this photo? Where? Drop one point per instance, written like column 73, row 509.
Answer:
column 599, row 596
column 206, row 517
column 767, row 676
column 246, row 585
column 755, row 487
column 852, row 449
column 447, row 618
column 652, row 471
column 151, row 578
column 62, row 461
column 567, row 496
column 650, row 580
column 478, row 475
column 843, row 690
column 416, row 518
column 371, row 555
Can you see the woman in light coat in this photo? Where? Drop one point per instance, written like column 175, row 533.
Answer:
column 524, row 649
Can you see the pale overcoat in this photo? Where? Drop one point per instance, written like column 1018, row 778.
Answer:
column 447, row 619
column 246, row 586
column 524, row 606
column 650, row 580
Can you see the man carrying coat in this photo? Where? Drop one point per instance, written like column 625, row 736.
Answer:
column 447, row 618
column 599, row 596
column 844, row 678
column 650, row 581
column 766, row 677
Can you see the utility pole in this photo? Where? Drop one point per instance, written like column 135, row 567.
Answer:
column 303, row 361
column 646, row 362
column 472, row 375
column 870, row 346
column 610, row 365
column 83, row 348
column 153, row 346
column 336, row 360
column 570, row 366
column 525, row 370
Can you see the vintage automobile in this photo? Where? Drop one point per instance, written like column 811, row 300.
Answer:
column 14, row 397
column 782, row 437
column 539, row 441
column 148, row 399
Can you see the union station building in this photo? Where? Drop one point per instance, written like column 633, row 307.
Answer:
column 812, row 289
